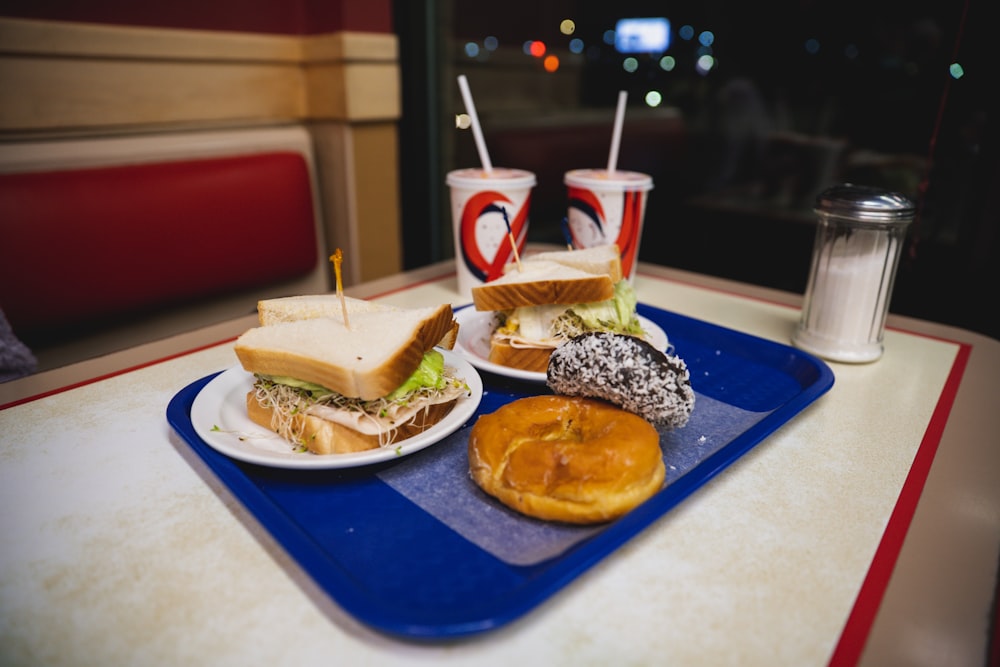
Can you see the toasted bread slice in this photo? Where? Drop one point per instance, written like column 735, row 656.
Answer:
column 540, row 283
column 322, row 436
column 597, row 259
column 312, row 306
column 534, row 359
column 369, row 359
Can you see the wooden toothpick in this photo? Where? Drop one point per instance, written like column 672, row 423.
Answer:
column 510, row 235
column 337, row 258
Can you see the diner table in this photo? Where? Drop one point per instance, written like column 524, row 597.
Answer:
column 864, row 530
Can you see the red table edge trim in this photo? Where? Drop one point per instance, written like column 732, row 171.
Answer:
column 153, row 362
column 859, row 623
column 105, row 376
column 855, row 634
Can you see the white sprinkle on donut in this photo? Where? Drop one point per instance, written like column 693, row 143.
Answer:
column 627, row 371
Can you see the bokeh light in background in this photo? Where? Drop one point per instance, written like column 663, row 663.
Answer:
column 830, row 74
column 640, row 51
column 535, row 48
column 648, row 35
column 698, row 54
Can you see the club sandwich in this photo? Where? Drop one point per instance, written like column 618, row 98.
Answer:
column 550, row 297
column 331, row 384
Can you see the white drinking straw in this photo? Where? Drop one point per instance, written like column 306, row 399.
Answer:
column 477, row 131
column 616, row 137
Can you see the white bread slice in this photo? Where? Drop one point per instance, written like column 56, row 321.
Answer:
column 322, row 436
column 542, row 282
column 379, row 351
column 596, row 259
column 312, row 306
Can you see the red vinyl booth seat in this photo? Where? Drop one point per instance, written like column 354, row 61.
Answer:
column 82, row 245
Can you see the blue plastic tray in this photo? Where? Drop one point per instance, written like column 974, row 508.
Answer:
column 414, row 549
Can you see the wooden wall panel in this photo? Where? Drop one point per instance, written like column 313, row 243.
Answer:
column 359, row 180
column 84, row 79
column 74, row 94
column 68, row 75
column 375, row 158
column 54, row 38
column 359, row 92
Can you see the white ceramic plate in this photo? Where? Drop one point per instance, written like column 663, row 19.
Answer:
column 476, row 327
column 219, row 417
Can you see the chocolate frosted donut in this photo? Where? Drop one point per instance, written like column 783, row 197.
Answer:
column 627, row 371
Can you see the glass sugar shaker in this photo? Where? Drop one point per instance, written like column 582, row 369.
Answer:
column 859, row 236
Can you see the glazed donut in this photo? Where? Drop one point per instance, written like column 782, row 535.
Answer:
column 563, row 458
column 626, row 371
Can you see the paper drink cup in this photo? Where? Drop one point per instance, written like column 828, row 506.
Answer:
column 608, row 207
column 478, row 201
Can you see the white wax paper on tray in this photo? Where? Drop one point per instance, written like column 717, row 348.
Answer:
column 438, row 481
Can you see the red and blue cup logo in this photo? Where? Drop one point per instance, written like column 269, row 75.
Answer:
column 589, row 224
column 486, row 208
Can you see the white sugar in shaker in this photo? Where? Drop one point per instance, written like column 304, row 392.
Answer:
column 859, row 235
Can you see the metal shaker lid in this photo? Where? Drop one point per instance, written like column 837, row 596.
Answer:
column 867, row 204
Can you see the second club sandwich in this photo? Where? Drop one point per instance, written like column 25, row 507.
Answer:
column 334, row 386
column 552, row 297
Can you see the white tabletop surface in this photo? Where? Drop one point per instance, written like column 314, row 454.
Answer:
column 119, row 546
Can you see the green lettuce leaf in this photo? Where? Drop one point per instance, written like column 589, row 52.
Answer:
column 430, row 373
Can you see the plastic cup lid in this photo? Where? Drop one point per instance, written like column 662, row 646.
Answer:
column 475, row 177
column 601, row 179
